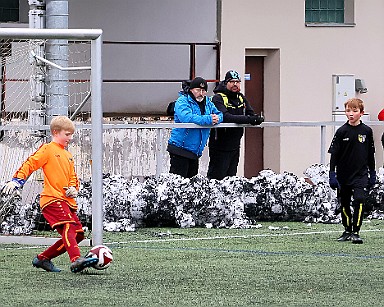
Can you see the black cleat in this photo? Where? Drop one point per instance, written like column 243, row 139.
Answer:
column 82, row 263
column 45, row 265
column 355, row 238
column 346, row 236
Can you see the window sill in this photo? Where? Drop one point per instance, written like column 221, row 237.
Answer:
column 13, row 25
column 327, row 24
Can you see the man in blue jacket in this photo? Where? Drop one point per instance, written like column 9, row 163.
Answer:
column 186, row 145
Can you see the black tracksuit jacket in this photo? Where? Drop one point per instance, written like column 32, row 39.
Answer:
column 228, row 139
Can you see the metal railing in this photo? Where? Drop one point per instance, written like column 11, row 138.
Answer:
column 162, row 126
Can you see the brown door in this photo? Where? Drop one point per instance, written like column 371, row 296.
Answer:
column 254, row 91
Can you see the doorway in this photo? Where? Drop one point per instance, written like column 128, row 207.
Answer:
column 254, row 91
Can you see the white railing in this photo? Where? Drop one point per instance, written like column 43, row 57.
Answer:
column 162, row 126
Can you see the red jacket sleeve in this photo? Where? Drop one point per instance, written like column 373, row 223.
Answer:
column 381, row 115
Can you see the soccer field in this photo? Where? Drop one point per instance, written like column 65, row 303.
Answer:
column 279, row 264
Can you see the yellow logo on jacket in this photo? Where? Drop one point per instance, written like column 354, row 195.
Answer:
column 361, row 138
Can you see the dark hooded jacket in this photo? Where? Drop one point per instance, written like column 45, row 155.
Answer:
column 238, row 111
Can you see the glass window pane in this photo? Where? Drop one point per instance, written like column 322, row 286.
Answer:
column 324, row 4
column 331, row 16
column 308, row 4
column 340, row 4
column 331, row 4
column 308, row 16
column 316, row 4
column 14, row 15
column 340, row 17
column 315, row 16
column 9, row 4
column 324, row 16
column 9, row 10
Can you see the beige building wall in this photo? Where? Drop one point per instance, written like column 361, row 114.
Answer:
column 299, row 63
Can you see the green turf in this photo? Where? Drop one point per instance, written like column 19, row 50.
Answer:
column 210, row 267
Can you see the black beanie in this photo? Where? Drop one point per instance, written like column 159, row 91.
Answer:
column 199, row 82
column 231, row 75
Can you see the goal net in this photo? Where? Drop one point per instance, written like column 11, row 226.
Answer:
column 46, row 73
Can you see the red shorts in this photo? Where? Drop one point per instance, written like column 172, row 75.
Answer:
column 59, row 213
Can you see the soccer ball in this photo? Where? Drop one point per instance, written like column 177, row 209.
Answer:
column 104, row 254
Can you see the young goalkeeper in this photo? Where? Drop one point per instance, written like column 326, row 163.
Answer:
column 57, row 200
column 352, row 168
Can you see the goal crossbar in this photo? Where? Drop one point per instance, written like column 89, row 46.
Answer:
column 95, row 36
column 27, row 33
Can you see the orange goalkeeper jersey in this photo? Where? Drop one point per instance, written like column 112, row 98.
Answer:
column 59, row 172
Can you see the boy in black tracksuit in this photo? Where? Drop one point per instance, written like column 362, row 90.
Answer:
column 224, row 143
column 353, row 157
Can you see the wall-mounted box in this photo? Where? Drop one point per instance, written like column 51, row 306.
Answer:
column 343, row 89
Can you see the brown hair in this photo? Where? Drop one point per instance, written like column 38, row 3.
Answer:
column 355, row 103
column 59, row 123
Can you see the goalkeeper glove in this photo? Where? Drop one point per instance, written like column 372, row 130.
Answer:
column 372, row 178
column 333, row 182
column 71, row 192
column 12, row 185
column 256, row 119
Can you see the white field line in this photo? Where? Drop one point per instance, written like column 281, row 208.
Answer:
column 236, row 237
column 32, row 240
column 206, row 238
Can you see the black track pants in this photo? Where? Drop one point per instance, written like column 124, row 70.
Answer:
column 184, row 167
column 352, row 223
column 222, row 163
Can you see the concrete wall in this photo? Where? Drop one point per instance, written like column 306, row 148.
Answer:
column 299, row 69
column 150, row 21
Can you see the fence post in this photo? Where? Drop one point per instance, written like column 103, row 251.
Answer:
column 322, row 140
column 159, row 151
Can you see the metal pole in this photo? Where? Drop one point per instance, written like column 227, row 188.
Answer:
column 159, row 152
column 97, row 143
column 192, row 61
column 2, row 88
column 57, row 94
column 322, row 144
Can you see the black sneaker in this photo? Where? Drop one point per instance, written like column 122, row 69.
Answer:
column 82, row 263
column 346, row 236
column 45, row 265
column 355, row 238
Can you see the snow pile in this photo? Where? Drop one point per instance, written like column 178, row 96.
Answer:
column 173, row 201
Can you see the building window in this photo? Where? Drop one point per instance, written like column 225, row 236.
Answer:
column 324, row 11
column 329, row 12
column 9, row 11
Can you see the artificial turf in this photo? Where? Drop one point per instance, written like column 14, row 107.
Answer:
column 279, row 264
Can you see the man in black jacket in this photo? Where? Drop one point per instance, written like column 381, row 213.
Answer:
column 224, row 143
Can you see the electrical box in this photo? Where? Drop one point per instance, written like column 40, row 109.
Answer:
column 343, row 89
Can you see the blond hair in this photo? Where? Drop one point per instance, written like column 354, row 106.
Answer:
column 59, row 123
column 355, row 103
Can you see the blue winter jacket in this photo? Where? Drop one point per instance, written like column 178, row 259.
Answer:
column 188, row 111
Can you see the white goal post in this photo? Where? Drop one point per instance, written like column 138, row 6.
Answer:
column 95, row 37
